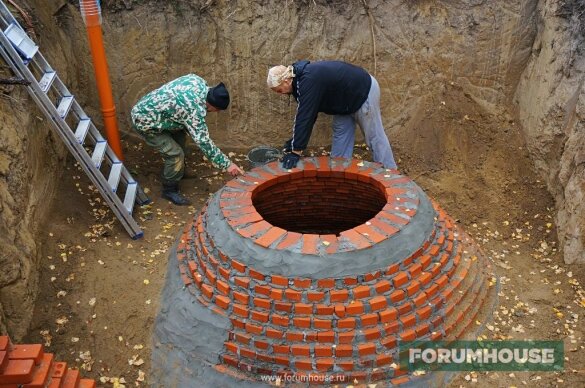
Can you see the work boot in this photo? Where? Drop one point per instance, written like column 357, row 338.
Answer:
column 171, row 192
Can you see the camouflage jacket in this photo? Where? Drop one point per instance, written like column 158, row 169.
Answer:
column 179, row 105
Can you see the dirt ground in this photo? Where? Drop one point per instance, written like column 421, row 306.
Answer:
column 100, row 290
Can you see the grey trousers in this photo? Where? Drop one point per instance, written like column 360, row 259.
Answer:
column 369, row 119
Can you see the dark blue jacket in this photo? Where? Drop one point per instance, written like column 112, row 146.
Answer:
column 331, row 87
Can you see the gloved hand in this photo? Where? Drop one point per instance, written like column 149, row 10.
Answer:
column 290, row 160
column 286, row 148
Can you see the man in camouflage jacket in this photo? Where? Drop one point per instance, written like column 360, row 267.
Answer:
column 163, row 118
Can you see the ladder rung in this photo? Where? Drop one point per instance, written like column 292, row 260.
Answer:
column 130, row 196
column 82, row 129
column 47, row 80
column 64, row 106
column 21, row 42
column 98, row 153
column 114, row 177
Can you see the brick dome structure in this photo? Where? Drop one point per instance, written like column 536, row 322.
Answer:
column 315, row 274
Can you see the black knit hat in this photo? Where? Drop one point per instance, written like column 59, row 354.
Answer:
column 218, row 96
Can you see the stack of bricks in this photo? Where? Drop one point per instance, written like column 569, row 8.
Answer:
column 28, row 366
column 347, row 325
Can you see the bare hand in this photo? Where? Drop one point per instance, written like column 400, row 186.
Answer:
column 234, row 170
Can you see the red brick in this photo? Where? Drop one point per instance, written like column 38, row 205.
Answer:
column 293, row 295
column 262, row 303
column 389, row 342
column 323, row 351
column 231, row 347
column 361, row 292
column 400, row 279
column 372, row 334
column 322, row 323
column 270, row 236
column 252, row 328
column 420, row 299
column 279, row 280
column 241, row 310
column 240, row 267
column 222, row 301
column 302, row 322
column 304, row 364
column 346, row 337
column 368, row 277
column 225, row 273
column 408, row 335
column 4, row 342
column 256, row 275
column 315, row 296
column 273, row 333
column 382, row 286
column 391, row 270
column 356, row 239
column 350, row 281
column 211, row 276
column 276, row 294
column 248, row 353
column 415, row 270
column 294, row 336
column 303, row 309
column 340, row 310
column 397, row 296
column 346, row 323
column 259, row 316
column 384, row 227
column 324, row 309
column 338, row 296
column 302, row 283
column 343, row 351
column 325, row 364
column 241, row 297
column 243, row 338
column 310, row 243
column 326, row 336
column 283, row 306
column 236, row 222
column 412, row 288
column 262, row 290
column 280, row 349
column 300, row 350
column 355, row 308
column 282, row 360
column 242, row 281
column 388, row 314
column 408, row 320
column 424, row 313
column 369, row 319
column 404, row 308
column 392, row 327
column 422, row 329
column 378, row 303
column 366, row 349
column 290, row 240
column 207, row 290
column 222, row 287
column 280, row 320
column 27, row 352
column 326, row 283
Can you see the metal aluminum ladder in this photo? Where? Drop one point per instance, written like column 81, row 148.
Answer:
column 85, row 142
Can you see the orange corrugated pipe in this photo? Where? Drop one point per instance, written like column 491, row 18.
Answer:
column 91, row 12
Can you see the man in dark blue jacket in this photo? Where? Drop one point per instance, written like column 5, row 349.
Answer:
column 336, row 88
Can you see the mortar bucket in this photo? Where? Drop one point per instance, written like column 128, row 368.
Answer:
column 261, row 155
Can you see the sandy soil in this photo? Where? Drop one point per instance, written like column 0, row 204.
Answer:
column 100, row 290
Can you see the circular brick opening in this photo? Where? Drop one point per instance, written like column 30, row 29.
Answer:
column 319, row 205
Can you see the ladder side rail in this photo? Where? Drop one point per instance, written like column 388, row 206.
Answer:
column 7, row 15
column 50, row 111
